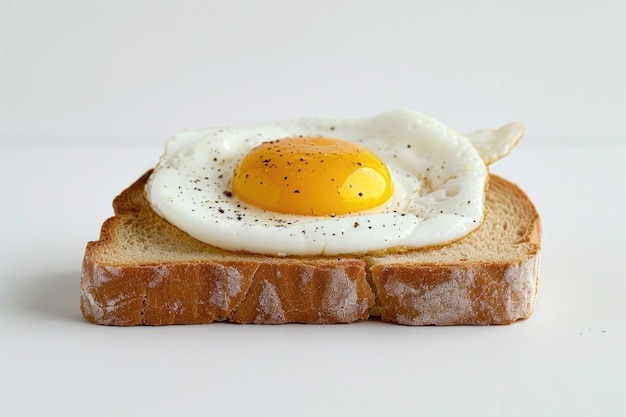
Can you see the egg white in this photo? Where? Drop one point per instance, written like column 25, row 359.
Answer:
column 439, row 180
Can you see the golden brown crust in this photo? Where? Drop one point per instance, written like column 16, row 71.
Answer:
column 491, row 293
column 145, row 271
column 307, row 292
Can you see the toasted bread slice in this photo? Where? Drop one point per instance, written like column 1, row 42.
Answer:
column 143, row 270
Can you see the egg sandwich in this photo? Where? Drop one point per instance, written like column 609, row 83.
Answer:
column 323, row 220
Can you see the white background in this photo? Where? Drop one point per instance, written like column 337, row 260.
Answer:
column 90, row 91
column 154, row 67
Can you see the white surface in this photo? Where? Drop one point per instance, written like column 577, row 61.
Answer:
column 149, row 67
column 568, row 359
column 89, row 92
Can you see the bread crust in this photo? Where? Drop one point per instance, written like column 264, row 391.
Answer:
column 143, row 270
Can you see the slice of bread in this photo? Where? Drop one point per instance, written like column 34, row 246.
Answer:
column 143, row 270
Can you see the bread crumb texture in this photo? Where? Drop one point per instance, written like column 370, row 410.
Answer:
column 143, row 270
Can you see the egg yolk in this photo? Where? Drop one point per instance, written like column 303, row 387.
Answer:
column 316, row 176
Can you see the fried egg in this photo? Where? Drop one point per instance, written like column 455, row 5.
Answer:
column 327, row 185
